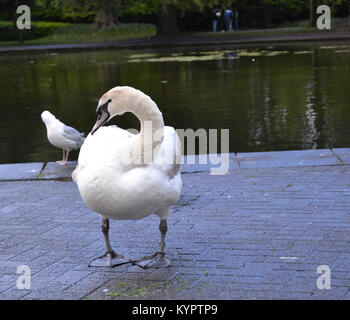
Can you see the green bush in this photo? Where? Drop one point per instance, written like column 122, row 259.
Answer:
column 78, row 32
column 38, row 30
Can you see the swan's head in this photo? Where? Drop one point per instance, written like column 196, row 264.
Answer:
column 47, row 116
column 114, row 102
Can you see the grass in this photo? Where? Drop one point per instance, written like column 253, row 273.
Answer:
column 296, row 24
column 254, row 33
column 335, row 22
column 283, row 29
column 87, row 33
column 133, row 290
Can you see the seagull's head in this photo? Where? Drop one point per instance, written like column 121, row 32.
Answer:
column 46, row 116
column 114, row 102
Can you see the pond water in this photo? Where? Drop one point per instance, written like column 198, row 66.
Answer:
column 285, row 97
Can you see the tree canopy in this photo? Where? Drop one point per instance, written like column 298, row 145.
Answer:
column 170, row 16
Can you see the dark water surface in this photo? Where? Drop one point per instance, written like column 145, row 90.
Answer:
column 284, row 97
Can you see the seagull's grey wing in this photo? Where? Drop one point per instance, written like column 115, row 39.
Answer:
column 73, row 135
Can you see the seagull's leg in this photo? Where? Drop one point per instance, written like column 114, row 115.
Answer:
column 110, row 258
column 158, row 259
column 66, row 159
column 63, row 161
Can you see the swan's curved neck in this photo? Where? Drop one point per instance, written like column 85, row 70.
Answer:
column 152, row 124
column 150, row 118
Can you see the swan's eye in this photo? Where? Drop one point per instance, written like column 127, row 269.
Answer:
column 103, row 108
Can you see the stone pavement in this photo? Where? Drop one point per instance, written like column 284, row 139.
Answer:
column 259, row 232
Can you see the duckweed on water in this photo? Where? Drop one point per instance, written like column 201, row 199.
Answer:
column 180, row 58
column 214, row 52
column 275, row 53
column 203, row 55
column 342, row 51
column 334, row 47
column 245, row 53
column 265, row 53
column 302, row 52
column 143, row 55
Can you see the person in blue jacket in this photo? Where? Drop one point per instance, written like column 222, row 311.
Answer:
column 228, row 19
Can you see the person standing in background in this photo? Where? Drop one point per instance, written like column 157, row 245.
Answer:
column 228, row 19
column 221, row 21
column 236, row 18
column 215, row 18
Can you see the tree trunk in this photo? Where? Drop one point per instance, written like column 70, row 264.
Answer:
column 20, row 36
column 313, row 7
column 167, row 20
column 267, row 16
column 106, row 18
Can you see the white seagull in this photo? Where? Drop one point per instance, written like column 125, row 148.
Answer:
column 61, row 136
column 129, row 176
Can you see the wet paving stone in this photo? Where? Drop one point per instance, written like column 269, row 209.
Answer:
column 255, row 233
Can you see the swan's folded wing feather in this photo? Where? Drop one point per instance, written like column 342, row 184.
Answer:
column 169, row 157
column 97, row 147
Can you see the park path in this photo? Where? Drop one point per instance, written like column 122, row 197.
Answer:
column 259, row 232
column 190, row 39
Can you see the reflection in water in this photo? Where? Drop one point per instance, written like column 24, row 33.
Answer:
column 289, row 97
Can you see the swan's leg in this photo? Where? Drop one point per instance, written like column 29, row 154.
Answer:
column 64, row 160
column 110, row 258
column 158, row 259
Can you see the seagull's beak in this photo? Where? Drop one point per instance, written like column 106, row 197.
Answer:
column 101, row 120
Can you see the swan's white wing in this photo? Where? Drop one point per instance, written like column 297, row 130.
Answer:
column 107, row 147
column 168, row 158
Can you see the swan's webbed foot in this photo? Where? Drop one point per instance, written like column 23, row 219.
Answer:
column 156, row 260
column 110, row 259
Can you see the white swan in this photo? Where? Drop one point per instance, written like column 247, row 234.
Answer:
column 61, row 135
column 121, row 175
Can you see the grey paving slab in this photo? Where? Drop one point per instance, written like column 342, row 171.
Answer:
column 54, row 170
column 287, row 158
column 195, row 163
column 208, row 162
column 343, row 154
column 255, row 233
column 20, row 171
